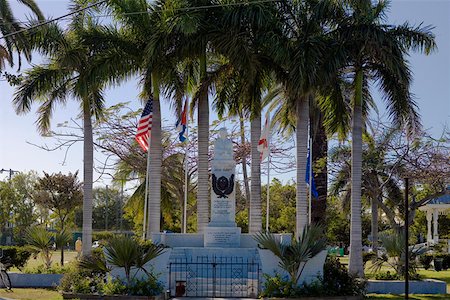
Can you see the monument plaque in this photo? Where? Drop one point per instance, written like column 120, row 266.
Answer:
column 222, row 230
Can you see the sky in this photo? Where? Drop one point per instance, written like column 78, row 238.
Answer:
column 431, row 87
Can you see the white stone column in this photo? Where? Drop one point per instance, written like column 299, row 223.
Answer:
column 429, row 219
column 435, row 225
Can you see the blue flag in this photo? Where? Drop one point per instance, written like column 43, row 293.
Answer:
column 314, row 192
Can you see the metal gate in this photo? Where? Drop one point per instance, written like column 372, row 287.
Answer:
column 233, row 277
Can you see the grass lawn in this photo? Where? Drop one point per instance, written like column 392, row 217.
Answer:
column 34, row 263
column 413, row 297
column 426, row 274
column 442, row 275
column 30, row 294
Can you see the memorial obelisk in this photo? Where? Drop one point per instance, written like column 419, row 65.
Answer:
column 222, row 230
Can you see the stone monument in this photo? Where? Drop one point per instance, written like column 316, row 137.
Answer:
column 222, row 230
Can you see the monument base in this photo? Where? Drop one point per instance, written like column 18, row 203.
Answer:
column 222, row 237
column 174, row 240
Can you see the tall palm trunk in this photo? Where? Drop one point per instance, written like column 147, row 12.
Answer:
column 154, row 183
column 302, row 149
column 203, row 162
column 244, row 161
column 356, row 262
column 88, row 169
column 319, row 152
column 255, row 222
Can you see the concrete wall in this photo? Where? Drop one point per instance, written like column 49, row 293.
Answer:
column 34, row 280
column 313, row 268
column 428, row 286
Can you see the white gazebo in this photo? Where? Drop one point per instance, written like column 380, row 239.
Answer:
column 433, row 208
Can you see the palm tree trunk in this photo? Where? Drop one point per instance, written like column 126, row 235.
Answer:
column 244, row 160
column 302, row 149
column 154, row 183
column 255, row 222
column 88, row 169
column 356, row 262
column 203, row 160
column 319, row 152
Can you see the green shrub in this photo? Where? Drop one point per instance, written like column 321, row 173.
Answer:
column 387, row 276
column 41, row 269
column 15, row 256
column 336, row 281
column 149, row 286
column 102, row 235
column 114, row 286
column 445, row 260
column 92, row 274
column 425, row 260
column 75, row 280
column 277, row 287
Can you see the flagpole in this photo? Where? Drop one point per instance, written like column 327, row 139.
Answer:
column 310, row 178
column 144, row 223
column 268, row 191
column 268, row 176
column 186, row 173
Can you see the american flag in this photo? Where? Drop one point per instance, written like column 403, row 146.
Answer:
column 145, row 125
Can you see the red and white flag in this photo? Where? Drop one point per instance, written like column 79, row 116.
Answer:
column 145, row 125
column 263, row 145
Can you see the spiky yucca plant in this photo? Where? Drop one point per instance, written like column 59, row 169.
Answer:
column 40, row 240
column 294, row 257
column 127, row 253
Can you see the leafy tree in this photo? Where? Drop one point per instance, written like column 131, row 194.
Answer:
column 282, row 206
column 107, row 211
column 388, row 157
column 59, row 193
column 17, row 205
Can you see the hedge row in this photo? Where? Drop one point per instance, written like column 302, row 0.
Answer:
column 15, row 256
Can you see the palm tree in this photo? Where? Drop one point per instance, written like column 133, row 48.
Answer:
column 144, row 42
column 62, row 238
column 65, row 74
column 378, row 178
column 379, row 49
column 8, row 28
column 194, row 27
column 302, row 50
column 247, row 74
